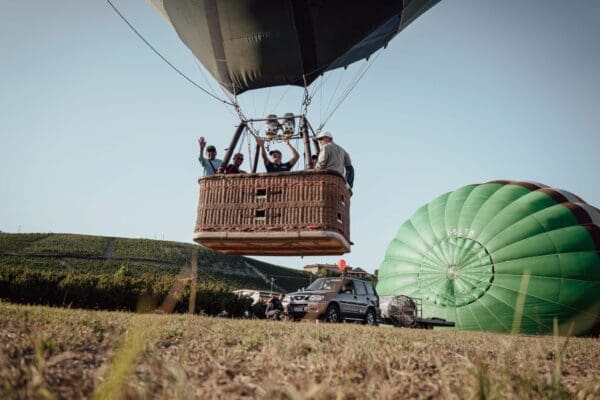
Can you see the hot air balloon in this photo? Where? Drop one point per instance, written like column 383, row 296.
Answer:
column 254, row 44
column 501, row 256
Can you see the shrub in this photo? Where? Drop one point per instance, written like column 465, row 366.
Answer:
column 116, row 291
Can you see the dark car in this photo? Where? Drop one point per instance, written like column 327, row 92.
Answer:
column 334, row 300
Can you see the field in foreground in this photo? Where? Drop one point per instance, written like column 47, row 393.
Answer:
column 61, row 353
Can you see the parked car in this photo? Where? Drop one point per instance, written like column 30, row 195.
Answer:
column 335, row 299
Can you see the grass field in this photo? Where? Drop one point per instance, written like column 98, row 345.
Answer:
column 65, row 353
column 60, row 353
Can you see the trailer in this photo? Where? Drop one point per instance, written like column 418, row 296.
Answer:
column 407, row 312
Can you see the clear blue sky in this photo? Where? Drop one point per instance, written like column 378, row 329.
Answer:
column 98, row 135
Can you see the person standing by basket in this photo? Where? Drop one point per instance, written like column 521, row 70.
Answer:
column 211, row 164
column 275, row 165
column 274, row 309
column 333, row 157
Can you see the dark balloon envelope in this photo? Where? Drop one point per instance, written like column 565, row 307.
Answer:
column 470, row 253
column 249, row 44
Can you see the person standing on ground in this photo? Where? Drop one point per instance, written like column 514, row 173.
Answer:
column 332, row 157
column 210, row 164
column 276, row 165
column 274, row 309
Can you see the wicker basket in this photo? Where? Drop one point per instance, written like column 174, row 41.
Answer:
column 287, row 213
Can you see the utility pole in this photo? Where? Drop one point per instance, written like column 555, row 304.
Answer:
column 272, row 280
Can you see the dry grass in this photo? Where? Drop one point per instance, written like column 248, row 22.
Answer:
column 57, row 353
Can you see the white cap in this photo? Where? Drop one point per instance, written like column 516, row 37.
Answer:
column 324, row 134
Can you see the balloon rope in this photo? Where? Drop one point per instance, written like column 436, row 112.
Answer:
column 296, row 145
column 250, row 158
column 226, row 105
column 307, row 98
column 347, row 92
column 280, row 98
column 329, row 104
column 201, row 69
column 321, row 103
column 239, row 149
column 266, row 105
column 162, row 57
column 323, row 80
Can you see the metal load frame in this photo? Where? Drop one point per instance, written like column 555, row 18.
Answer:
column 304, row 128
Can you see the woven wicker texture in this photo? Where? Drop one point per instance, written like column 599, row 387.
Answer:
column 289, row 213
column 297, row 201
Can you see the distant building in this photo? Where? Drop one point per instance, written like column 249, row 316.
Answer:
column 332, row 269
column 315, row 268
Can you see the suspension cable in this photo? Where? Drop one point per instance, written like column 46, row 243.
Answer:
column 347, row 92
column 322, row 81
column 307, row 98
column 337, row 86
column 297, row 145
column 282, row 97
column 267, row 101
column 239, row 149
column 321, row 102
column 162, row 57
column 226, row 105
column 253, row 103
column 250, row 156
column 233, row 101
column 201, row 69
column 347, row 85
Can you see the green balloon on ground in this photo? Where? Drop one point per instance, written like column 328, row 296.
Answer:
column 501, row 256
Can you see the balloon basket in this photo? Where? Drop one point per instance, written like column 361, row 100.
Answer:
column 279, row 214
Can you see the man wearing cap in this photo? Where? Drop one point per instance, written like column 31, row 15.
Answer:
column 210, row 164
column 276, row 165
column 333, row 157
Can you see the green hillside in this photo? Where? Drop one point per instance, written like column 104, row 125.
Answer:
column 113, row 273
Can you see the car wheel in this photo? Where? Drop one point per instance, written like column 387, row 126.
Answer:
column 332, row 314
column 371, row 318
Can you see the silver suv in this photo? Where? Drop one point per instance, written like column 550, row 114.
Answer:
column 334, row 300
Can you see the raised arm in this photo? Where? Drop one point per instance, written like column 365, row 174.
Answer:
column 202, row 145
column 295, row 155
column 261, row 142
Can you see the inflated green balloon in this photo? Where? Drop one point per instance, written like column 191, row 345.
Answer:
column 501, row 256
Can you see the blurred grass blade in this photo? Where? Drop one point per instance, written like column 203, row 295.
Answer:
column 520, row 304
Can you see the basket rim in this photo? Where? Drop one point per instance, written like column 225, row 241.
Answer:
column 308, row 172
